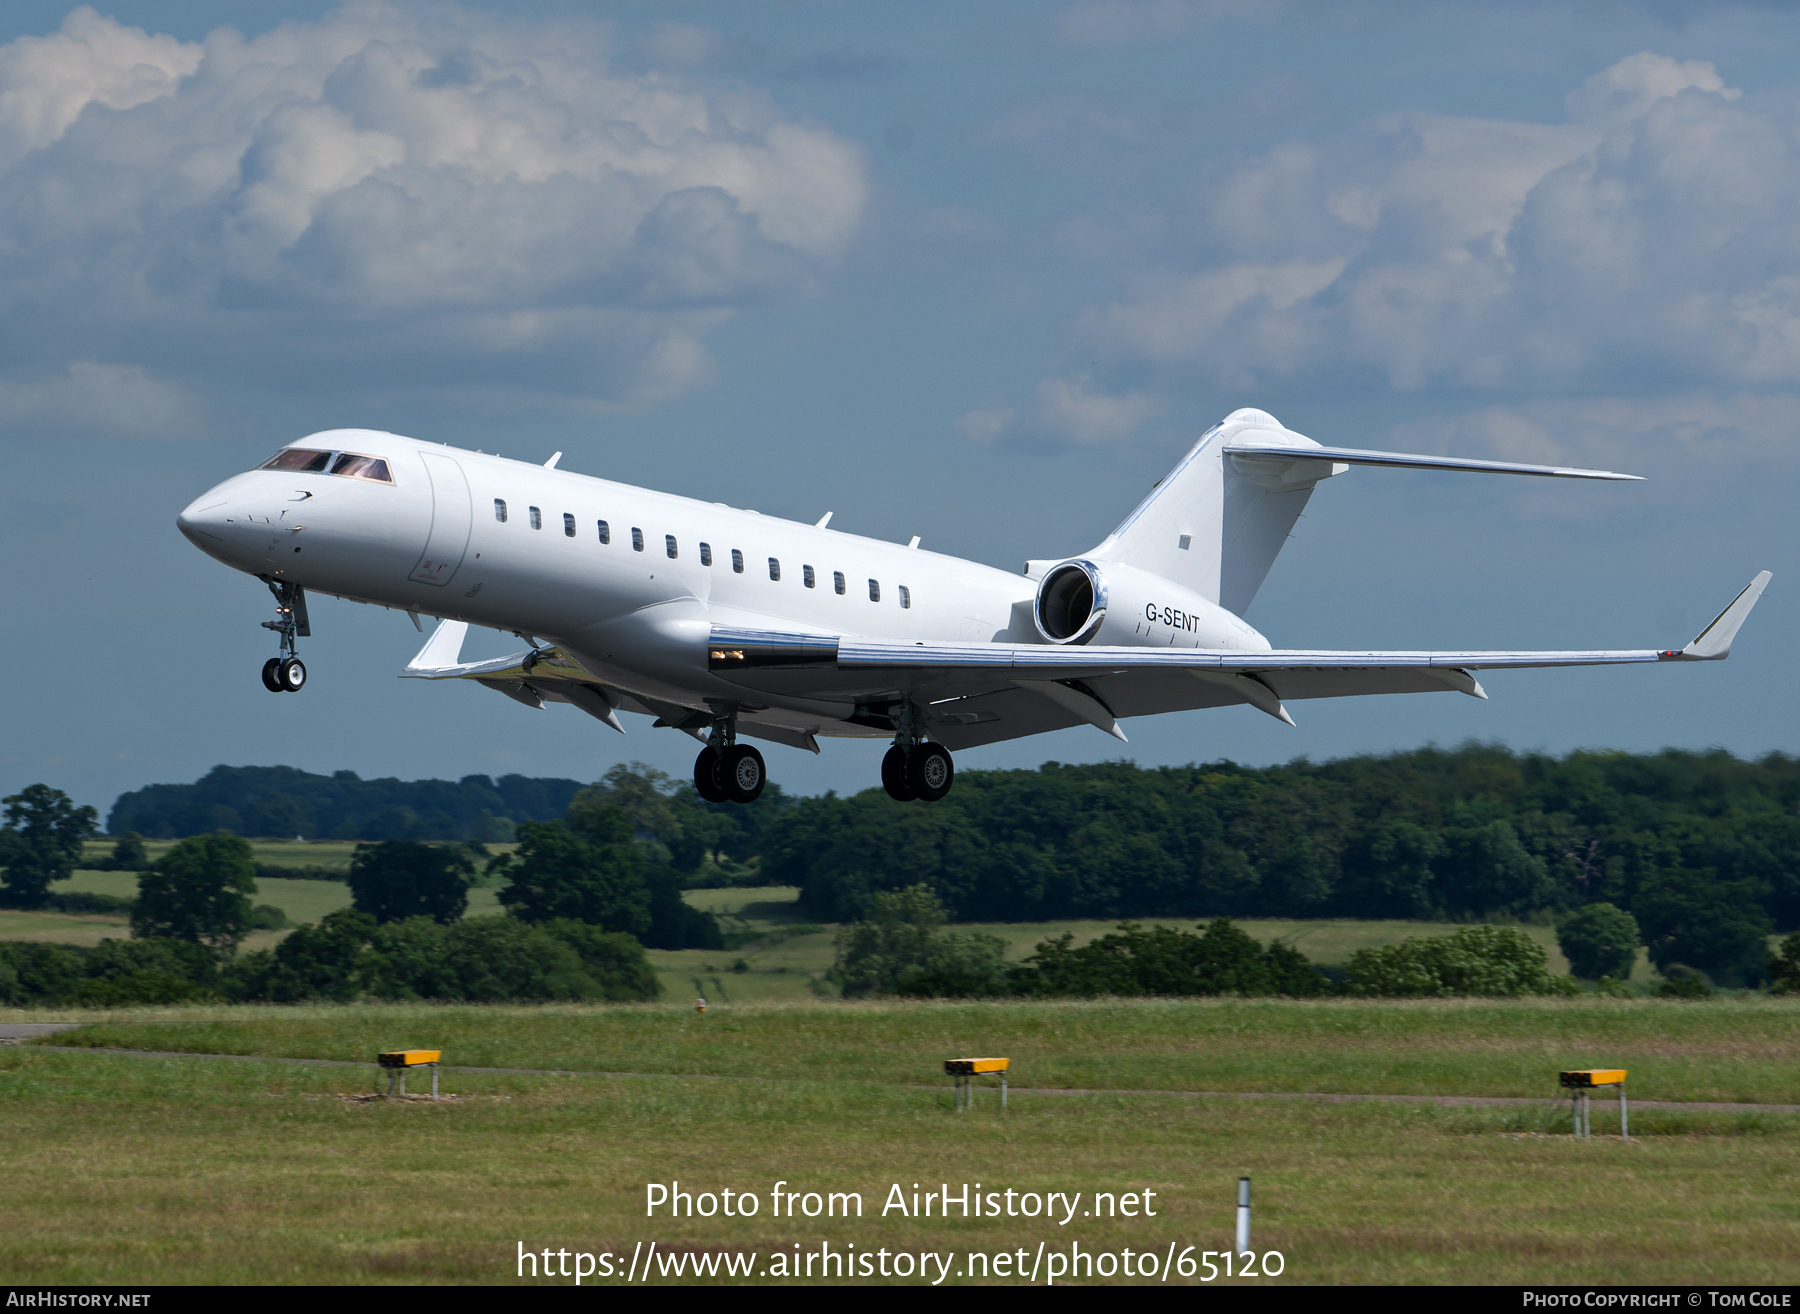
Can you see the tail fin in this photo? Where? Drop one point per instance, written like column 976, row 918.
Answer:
column 1215, row 523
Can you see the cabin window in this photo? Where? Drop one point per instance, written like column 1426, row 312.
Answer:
column 874, row 590
column 605, row 531
column 806, row 573
column 351, row 466
column 837, row 581
column 500, row 509
column 568, row 525
column 299, row 458
column 637, row 539
column 537, row 517
column 774, row 568
column 669, row 546
column 737, row 561
column 706, row 554
column 905, row 597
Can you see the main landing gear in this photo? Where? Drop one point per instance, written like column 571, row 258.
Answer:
column 912, row 768
column 286, row 673
column 727, row 771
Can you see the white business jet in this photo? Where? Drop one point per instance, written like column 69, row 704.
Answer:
column 724, row 623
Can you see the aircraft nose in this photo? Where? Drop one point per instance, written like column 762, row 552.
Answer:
column 202, row 522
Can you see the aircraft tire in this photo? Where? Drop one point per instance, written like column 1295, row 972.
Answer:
column 271, row 680
column 291, row 675
column 709, row 781
column 930, row 772
column 893, row 776
column 744, row 773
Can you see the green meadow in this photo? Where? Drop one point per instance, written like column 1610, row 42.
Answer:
column 133, row 1168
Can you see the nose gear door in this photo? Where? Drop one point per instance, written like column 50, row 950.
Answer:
column 451, row 521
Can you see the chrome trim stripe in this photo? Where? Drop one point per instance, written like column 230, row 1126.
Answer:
column 725, row 634
column 732, row 650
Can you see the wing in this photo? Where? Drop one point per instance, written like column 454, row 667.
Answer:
column 983, row 693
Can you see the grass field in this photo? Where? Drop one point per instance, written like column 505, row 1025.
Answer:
column 138, row 1169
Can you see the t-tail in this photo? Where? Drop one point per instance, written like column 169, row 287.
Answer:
column 1215, row 523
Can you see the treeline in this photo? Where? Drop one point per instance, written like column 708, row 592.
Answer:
column 1682, row 840
column 583, row 896
column 1700, row 850
column 348, row 955
column 282, row 803
column 902, row 949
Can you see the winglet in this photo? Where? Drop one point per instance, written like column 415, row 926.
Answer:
column 442, row 648
column 1714, row 642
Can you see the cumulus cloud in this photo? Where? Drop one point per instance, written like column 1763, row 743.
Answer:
column 985, row 424
column 92, row 399
column 400, row 192
column 1067, row 411
column 1654, row 236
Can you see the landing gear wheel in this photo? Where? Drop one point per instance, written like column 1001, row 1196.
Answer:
column 271, row 681
column 290, row 675
column 709, row 776
column 893, row 776
column 929, row 771
column 743, row 772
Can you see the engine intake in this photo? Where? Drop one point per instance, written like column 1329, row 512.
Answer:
column 1070, row 605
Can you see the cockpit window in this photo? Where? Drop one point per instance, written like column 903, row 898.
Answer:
column 352, row 466
column 298, row 458
column 347, row 464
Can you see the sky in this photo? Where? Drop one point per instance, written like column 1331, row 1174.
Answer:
column 980, row 273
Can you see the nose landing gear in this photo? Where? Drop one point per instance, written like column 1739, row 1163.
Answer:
column 286, row 673
column 913, row 769
column 727, row 771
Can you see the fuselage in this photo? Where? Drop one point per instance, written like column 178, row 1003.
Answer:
column 630, row 579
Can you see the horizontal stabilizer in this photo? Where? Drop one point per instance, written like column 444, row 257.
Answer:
column 1407, row 461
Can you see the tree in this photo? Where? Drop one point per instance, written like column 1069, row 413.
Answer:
column 1599, row 940
column 1222, row 960
column 1694, row 919
column 200, row 892
column 674, row 922
column 1401, row 855
column 128, row 854
column 323, row 961
column 642, row 793
column 895, row 938
column 484, row 959
column 41, row 841
column 595, row 877
column 1784, row 967
column 395, row 879
column 1473, row 960
column 121, row 972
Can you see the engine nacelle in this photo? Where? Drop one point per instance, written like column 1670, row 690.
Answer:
column 1080, row 601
